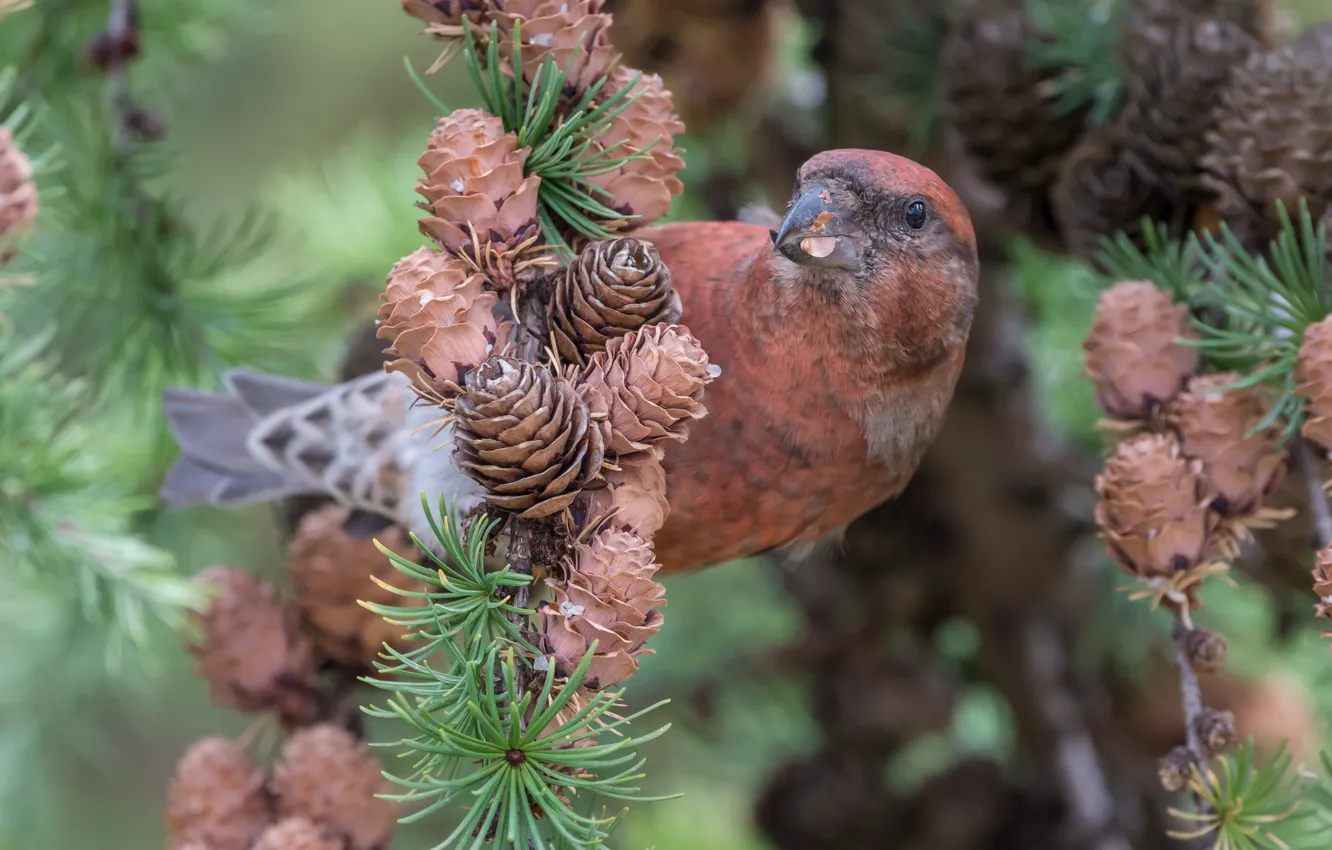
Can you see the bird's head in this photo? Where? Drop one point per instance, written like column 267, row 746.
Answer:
column 889, row 242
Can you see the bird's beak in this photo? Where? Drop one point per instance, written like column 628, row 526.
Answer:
column 814, row 232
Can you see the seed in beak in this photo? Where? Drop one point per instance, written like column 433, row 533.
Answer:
column 818, row 246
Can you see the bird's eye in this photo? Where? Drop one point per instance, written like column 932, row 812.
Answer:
column 916, row 215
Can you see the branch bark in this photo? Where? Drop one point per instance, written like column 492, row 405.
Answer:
column 1313, row 483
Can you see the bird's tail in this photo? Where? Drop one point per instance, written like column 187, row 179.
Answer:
column 218, row 465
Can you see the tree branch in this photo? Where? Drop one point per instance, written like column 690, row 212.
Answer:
column 1313, row 483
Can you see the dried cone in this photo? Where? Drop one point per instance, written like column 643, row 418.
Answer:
column 1172, row 92
column 646, row 387
column 217, row 799
column 439, row 321
column 331, row 572
column 1100, row 193
column 634, row 498
column 297, row 834
column 1132, row 352
column 573, row 32
column 481, row 205
column 611, row 599
column 1002, row 105
column 613, row 288
column 1150, row 25
column 18, row 192
column 648, row 126
column 1313, row 369
column 527, row 437
column 446, row 13
column 252, row 650
column 329, row 777
column 1153, row 509
column 1272, row 141
column 1213, row 423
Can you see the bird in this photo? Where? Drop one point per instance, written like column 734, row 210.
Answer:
column 840, row 334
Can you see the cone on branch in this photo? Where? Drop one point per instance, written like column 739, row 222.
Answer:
column 1099, row 193
column 331, row 574
column 439, row 322
column 610, row 598
column 1214, row 420
column 613, row 288
column 217, row 799
column 1175, row 769
column 481, row 205
column 527, row 436
column 1133, row 352
column 645, row 388
column 1153, row 509
column 1205, row 648
column 1003, row 106
column 252, row 650
column 1272, row 142
column 329, row 777
column 634, row 498
column 1313, row 370
column 18, row 192
column 1149, row 25
column 575, row 33
column 297, row 834
column 1173, row 90
column 646, row 128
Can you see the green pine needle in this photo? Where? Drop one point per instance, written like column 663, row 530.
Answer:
column 1079, row 45
column 1175, row 265
column 1246, row 806
column 564, row 154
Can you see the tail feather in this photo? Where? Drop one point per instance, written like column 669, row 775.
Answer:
column 262, row 394
column 211, row 429
column 190, row 483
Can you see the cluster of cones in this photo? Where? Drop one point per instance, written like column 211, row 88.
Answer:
column 1220, row 117
column 564, row 385
column 18, row 192
column 322, row 795
column 295, row 658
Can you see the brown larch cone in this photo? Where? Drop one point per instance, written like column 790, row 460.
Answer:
column 1132, row 352
column 716, row 57
column 1313, row 370
column 1172, row 93
column 525, row 435
column 1100, row 193
column 1213, row 421
column 634, row 498
column 1149, row 24
column 642, row 188
column 438, row 321
column 610, row 598
column 1002, row 105
column 329, row 776
column 218, row 798
column 1272, row 141
column 1206, row 649
column 1153, row 509
column 613, row 288
column 18, row 192
column 449, row 13
column 1322, row 583
column 646, row 387
column 252, row 650
column 573, row 32
column 297, row 834
column 331, row 573
column 480, row 203
column 1175, row 769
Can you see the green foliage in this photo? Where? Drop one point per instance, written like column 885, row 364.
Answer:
column 66, row 512
column 1172, row 264
column 915, row 82
column 497, row 727
column 1079, row 45
column 564, row 154
column 1246, row 806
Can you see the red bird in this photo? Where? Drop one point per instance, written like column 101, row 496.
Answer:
column 840, row 337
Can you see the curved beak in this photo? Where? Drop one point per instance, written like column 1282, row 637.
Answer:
column 814, row 214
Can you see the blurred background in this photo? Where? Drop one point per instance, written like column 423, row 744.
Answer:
column 305, row 111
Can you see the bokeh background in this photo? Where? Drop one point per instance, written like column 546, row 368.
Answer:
column 304, row 109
